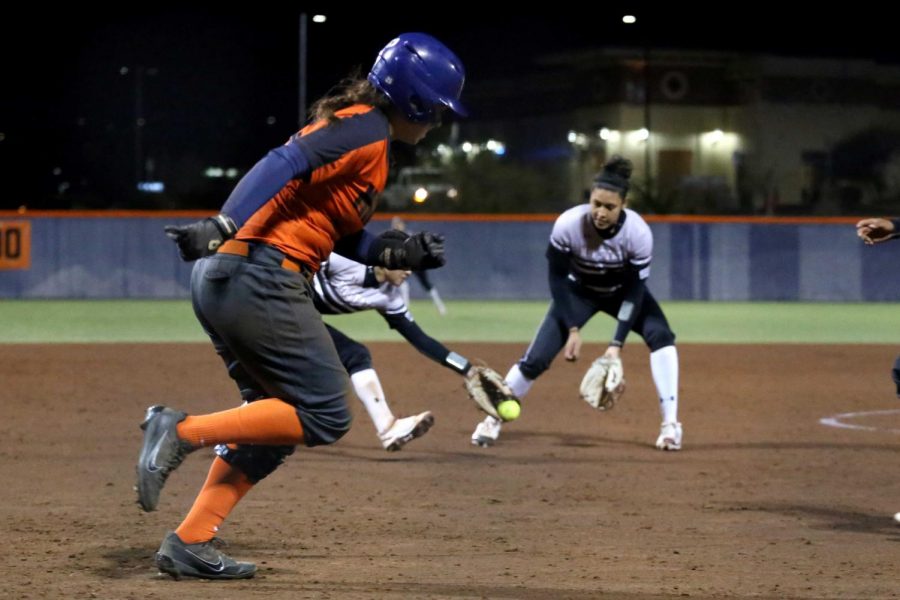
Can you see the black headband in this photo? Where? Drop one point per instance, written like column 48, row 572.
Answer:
column 612, row 182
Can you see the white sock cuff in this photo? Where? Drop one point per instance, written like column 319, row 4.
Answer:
column 518, row 382
column 365, row 376
column 665, row 352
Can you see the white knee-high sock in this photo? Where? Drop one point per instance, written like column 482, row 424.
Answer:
column 664, row 366
column 368, row 388
column 518, row 382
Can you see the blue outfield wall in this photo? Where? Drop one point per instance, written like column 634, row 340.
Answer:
column 130, row 257
column 104, row 257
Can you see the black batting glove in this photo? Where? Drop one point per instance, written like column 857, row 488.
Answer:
column 203, row 237
column 424, row 250
column 393, row 236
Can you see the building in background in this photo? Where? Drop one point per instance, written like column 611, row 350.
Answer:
column 708, row 132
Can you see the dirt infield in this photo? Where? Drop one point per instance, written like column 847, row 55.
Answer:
column 763, row 502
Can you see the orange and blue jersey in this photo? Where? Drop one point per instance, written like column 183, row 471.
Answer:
column 328, row 179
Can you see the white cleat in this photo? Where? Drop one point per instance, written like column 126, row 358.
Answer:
column 669, row 436
column 486, row 432
column 405, row 430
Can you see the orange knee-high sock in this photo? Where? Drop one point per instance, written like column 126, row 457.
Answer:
column 225, row 486
column 268, row 422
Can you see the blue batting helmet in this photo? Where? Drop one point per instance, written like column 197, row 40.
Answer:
column 419, row 74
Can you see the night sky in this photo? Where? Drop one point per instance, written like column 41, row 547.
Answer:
column 221, row 87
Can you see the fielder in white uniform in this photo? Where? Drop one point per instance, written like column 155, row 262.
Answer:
column 345, row 286
column 599, row 260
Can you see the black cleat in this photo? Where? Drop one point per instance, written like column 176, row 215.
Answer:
column 202, row 560
column 161, row 453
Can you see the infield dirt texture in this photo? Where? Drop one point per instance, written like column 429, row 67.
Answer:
column 763, row 502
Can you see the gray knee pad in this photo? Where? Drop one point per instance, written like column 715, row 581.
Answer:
column 257, row 462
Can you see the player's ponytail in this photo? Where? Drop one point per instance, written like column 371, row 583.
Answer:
column 354, row 89
column 615, row 175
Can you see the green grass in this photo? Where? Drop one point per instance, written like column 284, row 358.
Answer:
column 44, row 321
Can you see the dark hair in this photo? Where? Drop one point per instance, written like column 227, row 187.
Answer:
column 354, row 89
column 615, row 175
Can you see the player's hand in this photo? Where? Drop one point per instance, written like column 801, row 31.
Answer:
column 203, row 237
column 423, row 250
column 572, row 349
column 875, row 230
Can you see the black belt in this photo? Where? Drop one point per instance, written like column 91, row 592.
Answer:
column 257, row 251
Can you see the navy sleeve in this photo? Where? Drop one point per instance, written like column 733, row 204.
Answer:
column 427, row 345
column 326, row 145
column 558, row 276
column 630, row 308
column 265, row 180
column 896, row 233
column 358, row 247
column 300, row 157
